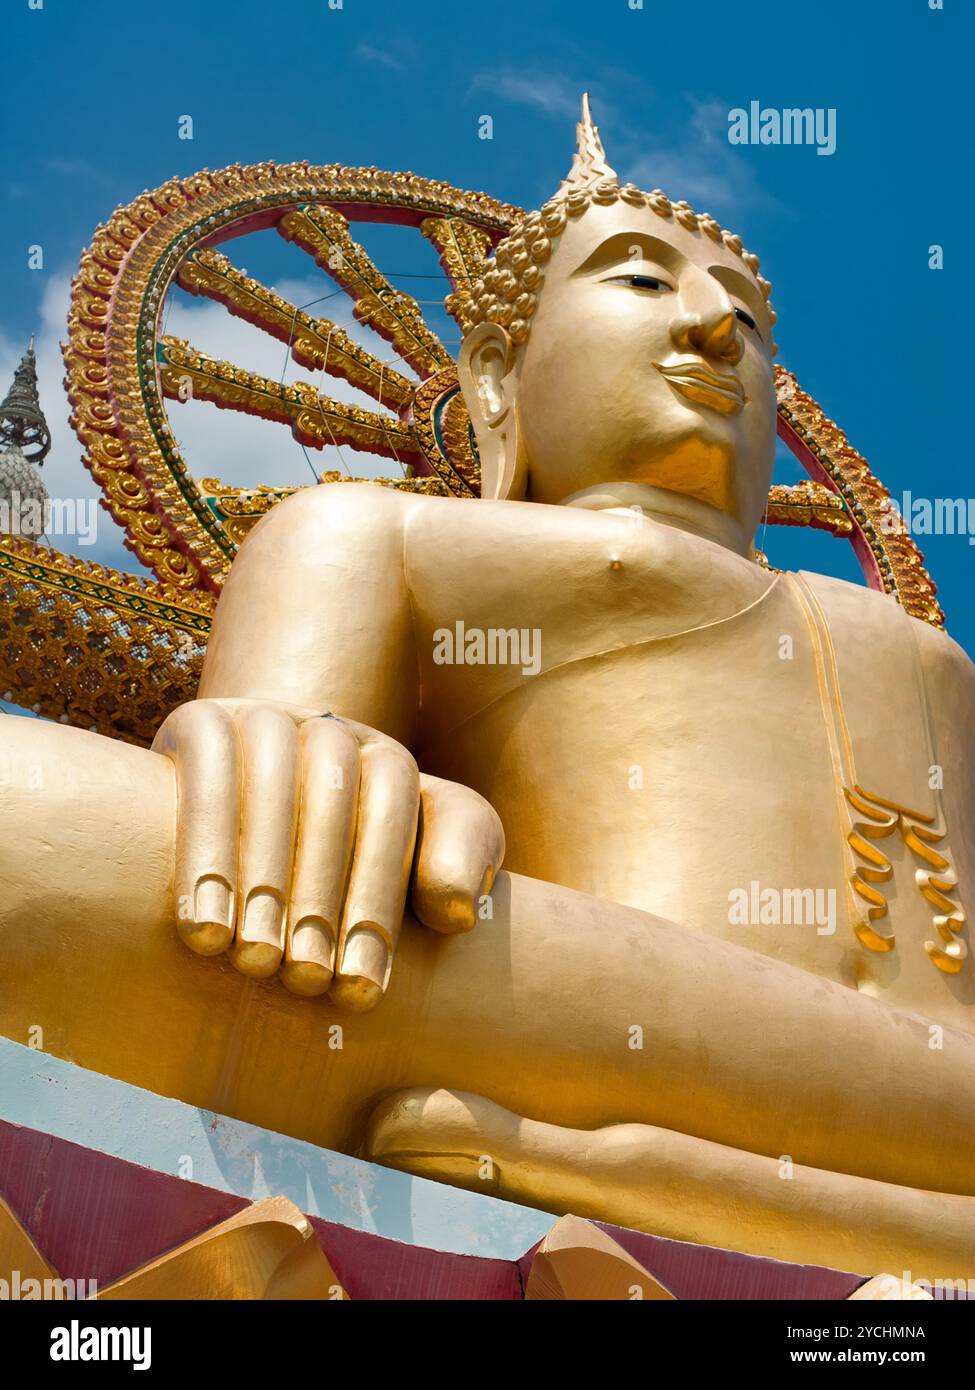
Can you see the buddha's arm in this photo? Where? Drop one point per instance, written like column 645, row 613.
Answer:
column 316, row 612
column 298, row 836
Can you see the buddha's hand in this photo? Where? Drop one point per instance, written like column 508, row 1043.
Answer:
column 297, row 834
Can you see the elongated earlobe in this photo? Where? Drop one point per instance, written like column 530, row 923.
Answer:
column 487, row 382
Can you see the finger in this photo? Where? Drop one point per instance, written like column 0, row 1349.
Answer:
column 461, row 846
column 326, row 831
column 269, row 752
column 201, row 740
column 389, row 799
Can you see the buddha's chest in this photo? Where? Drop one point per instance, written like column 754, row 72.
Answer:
column 526, row 608
column 703, row 776
column 703, row 757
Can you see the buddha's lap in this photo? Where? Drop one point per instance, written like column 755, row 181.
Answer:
column 560, row 1007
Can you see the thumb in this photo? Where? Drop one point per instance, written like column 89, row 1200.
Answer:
column 460, row 847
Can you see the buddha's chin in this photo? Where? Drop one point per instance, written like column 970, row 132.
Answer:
column 678, row 453
column 669, row 506
column 699, row 470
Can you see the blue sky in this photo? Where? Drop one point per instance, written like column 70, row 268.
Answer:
column 93, row 92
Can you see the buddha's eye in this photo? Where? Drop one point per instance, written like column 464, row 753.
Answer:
column 747, row 318
column 643, row 282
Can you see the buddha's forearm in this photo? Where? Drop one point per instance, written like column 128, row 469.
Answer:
column 541, row 1008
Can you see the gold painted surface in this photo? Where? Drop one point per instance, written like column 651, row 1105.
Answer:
column 506, row 292
column 20, row 1259
column 578, row 1261
column 462, row 247
column 936, row 880
column 870, row 817
column 163, row 237
column 500, row 1012
column 267, row 1252
column 899, row 562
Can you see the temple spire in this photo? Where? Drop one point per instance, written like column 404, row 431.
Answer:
column 24, row 443
column 22, row 422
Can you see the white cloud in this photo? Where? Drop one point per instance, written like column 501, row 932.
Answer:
column 700, row 166
column 368, row 53
column 552, row 93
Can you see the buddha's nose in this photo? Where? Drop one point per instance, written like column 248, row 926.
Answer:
column 713, row 333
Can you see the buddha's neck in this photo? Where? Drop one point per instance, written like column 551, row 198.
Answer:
column 669, row 508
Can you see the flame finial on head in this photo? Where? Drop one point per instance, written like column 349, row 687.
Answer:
column 589, row 161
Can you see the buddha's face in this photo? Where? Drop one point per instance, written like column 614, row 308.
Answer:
column 647, row 362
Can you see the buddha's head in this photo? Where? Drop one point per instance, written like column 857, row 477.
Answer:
column 619, row 346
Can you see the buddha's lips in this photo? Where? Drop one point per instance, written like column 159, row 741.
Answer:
column 700, row 384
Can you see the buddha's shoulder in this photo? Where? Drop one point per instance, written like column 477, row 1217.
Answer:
column 865, row 612
column 352, row 513
column 428, row 521
column 342, row 503
column 365, row 504
column 427, row 530
column 431, row 520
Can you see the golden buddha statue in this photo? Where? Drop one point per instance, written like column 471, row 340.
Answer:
column 677, row 741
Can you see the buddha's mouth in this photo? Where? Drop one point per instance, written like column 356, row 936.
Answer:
column 697, row 382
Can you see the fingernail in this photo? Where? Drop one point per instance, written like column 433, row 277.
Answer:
column 213, row 903
column 211, row 928
column 263, row 918
column 312, row 940
column 362, row 973
column 312, row 951
column 259, row 942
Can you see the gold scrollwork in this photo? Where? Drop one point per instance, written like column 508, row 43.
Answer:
column 935, row 881
column 85, row 645
column 114, row 318
column 314, row 342
column 808, row 503
column 823, row 447
column 315, row 419
column 324, row 234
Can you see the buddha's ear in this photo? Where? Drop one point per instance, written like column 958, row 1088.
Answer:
column 487, row 380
